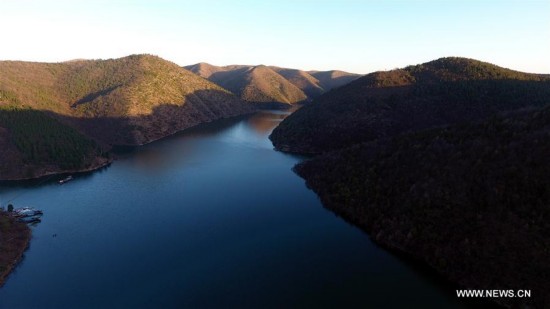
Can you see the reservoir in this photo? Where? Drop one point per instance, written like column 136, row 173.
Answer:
column 210, row 217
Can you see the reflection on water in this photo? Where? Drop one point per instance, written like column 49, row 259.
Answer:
column 153, row 158
column 265, row 121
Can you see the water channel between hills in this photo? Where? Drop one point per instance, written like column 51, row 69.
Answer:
column 210, row 217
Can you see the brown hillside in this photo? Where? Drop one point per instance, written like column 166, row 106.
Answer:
column 251, row 83
column 265, row 85
column 203, row 69
column 303, row 80
column 118, row 101
column 271, row 84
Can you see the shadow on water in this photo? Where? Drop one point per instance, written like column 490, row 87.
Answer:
column 201, row 130
column 435, row 279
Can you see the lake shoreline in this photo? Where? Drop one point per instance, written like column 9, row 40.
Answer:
column 107, row 217
column 48, row 172
column 411, row 258
column 464, row 259
column 14, row 241
column 100, row 163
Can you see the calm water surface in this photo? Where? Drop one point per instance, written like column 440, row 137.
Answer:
column 211, row 217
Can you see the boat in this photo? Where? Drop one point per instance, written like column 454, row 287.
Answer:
column 27, row 212
column 27, row 215
column 66, row 179
column 30, row 220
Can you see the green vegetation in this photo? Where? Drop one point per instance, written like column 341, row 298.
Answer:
column 129, row 86
column 43, row 140
column 129, row 101
column 6, row 96
column 124, row 87
column 31, row 84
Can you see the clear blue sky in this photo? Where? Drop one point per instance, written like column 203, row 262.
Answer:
column 357, row 36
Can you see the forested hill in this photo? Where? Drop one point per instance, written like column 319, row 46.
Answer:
column 34, row 144
column 271, row 84
column 127, row 101
column 446, row 162
column 382, row 104
column 470, row 200
column 131, row 100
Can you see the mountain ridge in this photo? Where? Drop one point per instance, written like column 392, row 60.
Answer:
column 272, row 84
column 384, row 103
column 126, row 101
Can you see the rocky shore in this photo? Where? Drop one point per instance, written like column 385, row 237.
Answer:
column 14, row 240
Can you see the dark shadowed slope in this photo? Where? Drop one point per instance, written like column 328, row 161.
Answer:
column 33, row 144
column 303, row 80
column 472, row 201
column 382, row 104
column 333, row 79
column 445, row 162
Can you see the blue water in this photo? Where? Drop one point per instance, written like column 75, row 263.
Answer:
column 210, row 217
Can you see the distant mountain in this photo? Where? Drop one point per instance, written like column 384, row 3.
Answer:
column 127, row 101
column 263, row 84
column 259, row 84
column 333, row 79
column 382, row 104
column 303, row 80
column 204, row 69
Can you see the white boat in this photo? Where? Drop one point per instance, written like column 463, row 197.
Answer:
column 26, row 212
column 68, row 178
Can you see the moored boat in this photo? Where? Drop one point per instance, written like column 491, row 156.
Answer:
column 26, row 212
column 30, row 220
column 66, row 179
